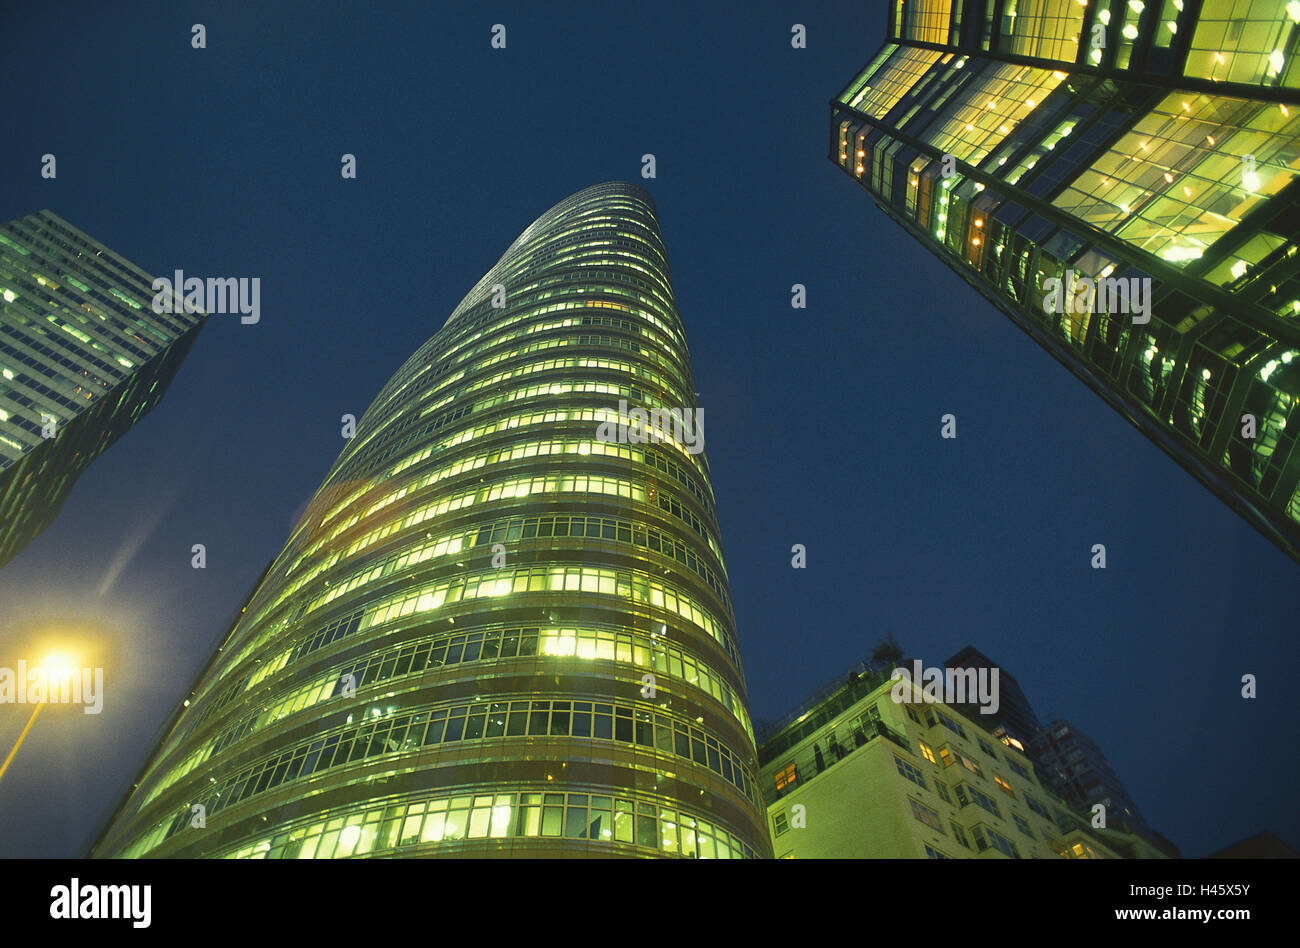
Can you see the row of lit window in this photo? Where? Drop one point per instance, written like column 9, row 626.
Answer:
column 605, row 528
column 627, row 585
column 38, row 243
column 568, row 285
column 399, row 438
column 510, row 530
column 585, row 340
column 600, row 818
column 518, row 487
column 407, row 733
column 555, row 416
column 444, row 366
column 322, row 537
column 113, row 337
column 442, row 649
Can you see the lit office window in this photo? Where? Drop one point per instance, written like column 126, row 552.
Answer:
column 1048, row 29
column 991, row 110
column 1243, row 41
column 893, row 81
column 1180, row 179
column 926, row 21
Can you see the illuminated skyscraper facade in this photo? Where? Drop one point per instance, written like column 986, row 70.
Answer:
column 1119, row 178
column 82, row 358
column 493, row 631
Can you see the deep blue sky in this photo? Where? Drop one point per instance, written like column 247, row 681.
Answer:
column 822, row 424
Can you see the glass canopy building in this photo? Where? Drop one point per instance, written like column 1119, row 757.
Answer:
column 1119, row 178
column 82, row 358
column 493, row 631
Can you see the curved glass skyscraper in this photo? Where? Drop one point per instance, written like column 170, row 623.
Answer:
column 502, row 626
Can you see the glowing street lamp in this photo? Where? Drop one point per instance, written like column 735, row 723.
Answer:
column 58, row 667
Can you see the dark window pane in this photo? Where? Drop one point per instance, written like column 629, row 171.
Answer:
column 623, row 730
column 455, row 728
column 474, row 726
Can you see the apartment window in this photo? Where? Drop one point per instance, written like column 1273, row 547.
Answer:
column 977, row 798
column 1022, row 825
column 959, row 834
column 786, row 777
column 951, row 725
column 911, row 713
column 1018, row 769
column 780, row 824
column 942, row 791
column 1037, row 807
column 946, row 756
column 910, row 772
column 1001, row 844
column 926, row 815
column 927, row 753
column 971, row 765
column 933, row 853
column 1006, row 787
column 987, row 748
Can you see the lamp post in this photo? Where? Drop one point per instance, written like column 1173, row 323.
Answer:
column 56, row 668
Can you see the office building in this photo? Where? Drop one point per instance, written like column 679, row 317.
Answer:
column 1014, row 712
column 83, row 357
column 502, row 627
column 1119, row 178
column 1073, row 766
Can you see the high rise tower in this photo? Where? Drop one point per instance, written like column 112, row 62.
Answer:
column 496, row 630
column 1015, row 714
column 82, row 358
column 1120, row 179
column 1071, row 763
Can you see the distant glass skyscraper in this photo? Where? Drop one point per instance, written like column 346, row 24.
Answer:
column 82, row 358
column 1120, row 179
column 1073, row 766
column 1015, row 714
column 452, row 654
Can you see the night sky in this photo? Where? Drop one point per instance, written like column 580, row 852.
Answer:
column 822, row 424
